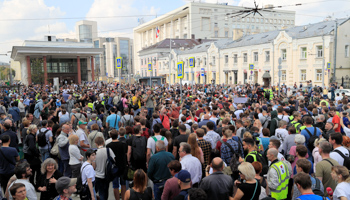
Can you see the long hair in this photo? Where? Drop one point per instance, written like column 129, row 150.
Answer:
column 192, row 141
column 140, row 180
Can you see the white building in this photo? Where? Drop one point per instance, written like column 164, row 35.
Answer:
column 205, row 20
column 86, row 30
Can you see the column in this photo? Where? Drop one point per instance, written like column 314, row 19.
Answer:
column 92, row 69
column 29, row 71
column 45, row 70
column 79, row 70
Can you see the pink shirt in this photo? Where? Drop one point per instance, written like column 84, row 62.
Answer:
column 171, row 189
column 293, row 152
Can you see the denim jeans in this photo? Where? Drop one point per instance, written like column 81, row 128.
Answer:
column 136, row 112
column 44, row 154
column 157, row 192
column 150, row 112
column 66, row 168
column 102, row 187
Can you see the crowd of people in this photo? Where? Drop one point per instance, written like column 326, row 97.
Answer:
column 166, row 143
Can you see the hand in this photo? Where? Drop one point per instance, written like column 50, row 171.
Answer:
column 52, row 180
column 43, row 189
column 92, row 197
column 236, row 183
column 241, row 159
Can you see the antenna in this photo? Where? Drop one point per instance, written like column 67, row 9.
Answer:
column 48, row 28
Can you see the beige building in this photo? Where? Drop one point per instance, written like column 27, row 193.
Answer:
column 86, row 30
column 303, row 51
column 205, row 21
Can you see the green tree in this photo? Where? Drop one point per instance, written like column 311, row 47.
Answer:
column 37, row 69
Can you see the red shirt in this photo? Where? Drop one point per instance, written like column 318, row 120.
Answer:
column 175, row 113
column 336, row 120
column 198, row 112
column 218, row 144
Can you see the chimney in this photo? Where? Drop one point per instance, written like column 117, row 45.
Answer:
column 193, row 36
column 237, row 34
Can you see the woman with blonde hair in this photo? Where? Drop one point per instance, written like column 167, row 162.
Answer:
column 75, row 158
column 48, row 178
column 315, row 153
column 341, row 175
column 249, row 188
column 257, row 123
column 196, row 151
column 140, row 189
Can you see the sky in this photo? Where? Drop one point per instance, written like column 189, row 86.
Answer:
column 33, row 19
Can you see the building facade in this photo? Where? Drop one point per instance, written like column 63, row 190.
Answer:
column 205, row 20
column 71, row 62
column 304, row 53
column 86, row 31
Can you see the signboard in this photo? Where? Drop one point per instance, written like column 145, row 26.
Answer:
column 240, row 100
column 191, row 62
column 251, row 66
column 202, row 71
column 328, row 65
column 149, row 66
column 119, row 61
column 180, row 69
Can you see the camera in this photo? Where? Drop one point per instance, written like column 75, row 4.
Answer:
column 345, row 113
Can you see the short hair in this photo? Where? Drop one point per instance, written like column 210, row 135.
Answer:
column 304, row 164
column 301, row 150
column 303, row 179
column 266, row 132
column 156, row 128
column 137, row 129
column 292, row 130
column 282, row 123
column 160, row 144
column 73, row 139
column 13, row 189
column 200, row 132
column 308, row 120
column 326, row 147
column 47, row 162
column 273, row 152
column 114, row 134
column 276, row 143
column 254, row 129
column 95, row 127
column 338, row 137
column 182, row 128
column 175, row 165
column 210, row 125
column 257, row 166
column 247, row 170
column 21, row 168
column 197, row 193
column 217, row 167
column 194, row 126
column 185, row 147
column 26, row 123
column 249, row 141
column 299, row 139
column 225, row 120
column 122, row 131
column 5, row 138
column 99, row 141
column 228, row 133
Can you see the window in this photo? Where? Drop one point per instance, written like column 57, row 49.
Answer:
column 226, row 59
column 319, row 51
column 303, row 53
column 318, row 74
column 303, row 75
column 185, row 36
column 235, row 58
column 216, row 34
column 205, row 61
column 267, row 56
column 253, row 20
column 205, row 24
column 155, row 72
column 283, row 75
column 256, row 57
column 245, row 58
column 346, row 51
column 213, row 60
column 141, row 61
column 284, row 54
column 215, row 24
column 248, row 19
column 226, row 33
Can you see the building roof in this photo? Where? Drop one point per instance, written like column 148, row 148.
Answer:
column 205, row 46
column 177, row 43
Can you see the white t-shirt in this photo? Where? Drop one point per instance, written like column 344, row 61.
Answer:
column 101, row 158
column 346, row 131
column 281, row 133
column 338, row 157
column 151, row 143
column 88, row 172
column 342, row 190
column 284, row 117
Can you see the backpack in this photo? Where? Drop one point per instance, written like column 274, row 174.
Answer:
column 79, row 186
column 313, row 137
column 346, row 159
column 120, row 106
column 75, row 123
column 32, row 108
column 267, row 94
column 234, row 162
column 138, row 145
column 259, row 158
column 128, row 122
column 111, row 170
column 317, row 190
column 42, row 138
column 155, row 141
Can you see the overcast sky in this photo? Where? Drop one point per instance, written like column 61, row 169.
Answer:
column 32, row 19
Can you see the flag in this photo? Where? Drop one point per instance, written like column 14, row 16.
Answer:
column 157, row 32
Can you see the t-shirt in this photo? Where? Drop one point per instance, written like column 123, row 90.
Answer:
column 151, row 143
column 249, row 189
column 88, row 172
column 178, row 139
column 48, row 134
column 336, row 156
column 112, row 122
column 281, row 134
column 336, row 120
column 11, row 154
column 342, row 190
column 323, row 170
column 310, row 197
column 101, row 158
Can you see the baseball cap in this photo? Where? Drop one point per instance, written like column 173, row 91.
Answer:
column 81, row 122
column 183, row 176
column 64, row 182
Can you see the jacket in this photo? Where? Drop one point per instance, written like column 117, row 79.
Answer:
column 63, row 144
column 272, row 176
column 273, row 125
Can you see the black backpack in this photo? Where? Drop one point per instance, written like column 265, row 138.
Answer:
column 138, row 145
column 234, row 162
column 265, row 167
column 313, row 137
column 111, row 170
column 120, row 106
column 317, row 190
column 42, row 138
column 346, row 159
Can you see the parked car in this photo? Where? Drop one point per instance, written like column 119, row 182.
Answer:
column 340, row 91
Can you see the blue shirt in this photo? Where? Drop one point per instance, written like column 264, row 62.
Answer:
column 306, row 134
column 226, row 153
column 310, row 197
column 38, row 108
column 112, row 122
column 265, row 142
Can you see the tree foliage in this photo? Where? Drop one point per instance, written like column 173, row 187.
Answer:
column 37, row 69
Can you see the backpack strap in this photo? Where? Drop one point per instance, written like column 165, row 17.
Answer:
column 310, row 132
column 329, row 162
column 155, row 139
column 340, row 153
column 318, row 186
column 162, row 138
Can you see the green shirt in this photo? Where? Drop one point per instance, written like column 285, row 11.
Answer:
column 158, row 166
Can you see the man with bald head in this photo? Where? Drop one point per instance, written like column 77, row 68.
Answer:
column 278, row 175
column 205, row 121
column 217, row 185
column 63, row 144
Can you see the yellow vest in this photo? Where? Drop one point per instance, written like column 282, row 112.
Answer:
column 91, row 105
column 281, row 191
